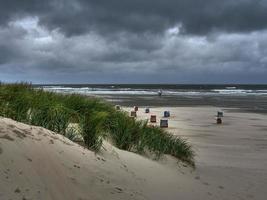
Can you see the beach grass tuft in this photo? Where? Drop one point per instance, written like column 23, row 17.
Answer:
column 95, row 120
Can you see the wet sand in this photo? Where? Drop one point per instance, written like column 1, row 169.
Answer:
column 240, row 103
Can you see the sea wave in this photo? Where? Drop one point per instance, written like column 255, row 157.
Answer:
column 240, row 91
column 131, row 91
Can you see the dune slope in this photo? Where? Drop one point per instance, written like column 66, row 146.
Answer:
column 36, row 163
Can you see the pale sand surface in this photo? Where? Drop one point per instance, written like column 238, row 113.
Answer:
column 231, row 162
column 38, row 164
column 231, row 157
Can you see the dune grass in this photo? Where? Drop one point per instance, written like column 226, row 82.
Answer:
column 96, row 121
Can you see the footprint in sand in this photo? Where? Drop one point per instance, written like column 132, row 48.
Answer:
column 221, row 187
column 7, row 137
column 11, row 126
column 206, row 183
column 77, row 166
column 17, row 190
column 19, row 134
column 98, row 158
column 73, row 179
column 102, row 180
column 118, row 189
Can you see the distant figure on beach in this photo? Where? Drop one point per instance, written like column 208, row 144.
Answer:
column 160, row 93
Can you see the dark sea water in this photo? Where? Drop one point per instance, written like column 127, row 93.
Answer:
column 243, row 97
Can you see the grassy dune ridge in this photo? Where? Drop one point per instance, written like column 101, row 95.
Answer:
column 96, row 119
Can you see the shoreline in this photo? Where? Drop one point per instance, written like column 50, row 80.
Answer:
column 253, row 104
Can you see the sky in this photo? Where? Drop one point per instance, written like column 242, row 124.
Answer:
column 133, row 41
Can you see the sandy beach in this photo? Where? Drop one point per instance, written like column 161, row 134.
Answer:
column 231, row 162
column 231, row 158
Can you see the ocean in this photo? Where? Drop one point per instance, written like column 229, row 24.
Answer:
column 243, row 97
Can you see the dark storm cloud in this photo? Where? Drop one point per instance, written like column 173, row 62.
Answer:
column 197, row 16
column 133, row 41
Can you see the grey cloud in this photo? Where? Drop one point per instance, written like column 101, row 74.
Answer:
column 74, row 17
column 134, row 41
column 176, row 57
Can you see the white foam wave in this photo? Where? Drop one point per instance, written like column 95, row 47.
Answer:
column 130, row 91
column 240, row 92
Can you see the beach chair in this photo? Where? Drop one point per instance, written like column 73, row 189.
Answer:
column 219, row 120
column 163, row 123
column 153, row 118
column 117, row 107
column 219, row 114
column 167, row 114
column 133, row 114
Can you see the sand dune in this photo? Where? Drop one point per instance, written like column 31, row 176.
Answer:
column 36, row 163
column 231, row 162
